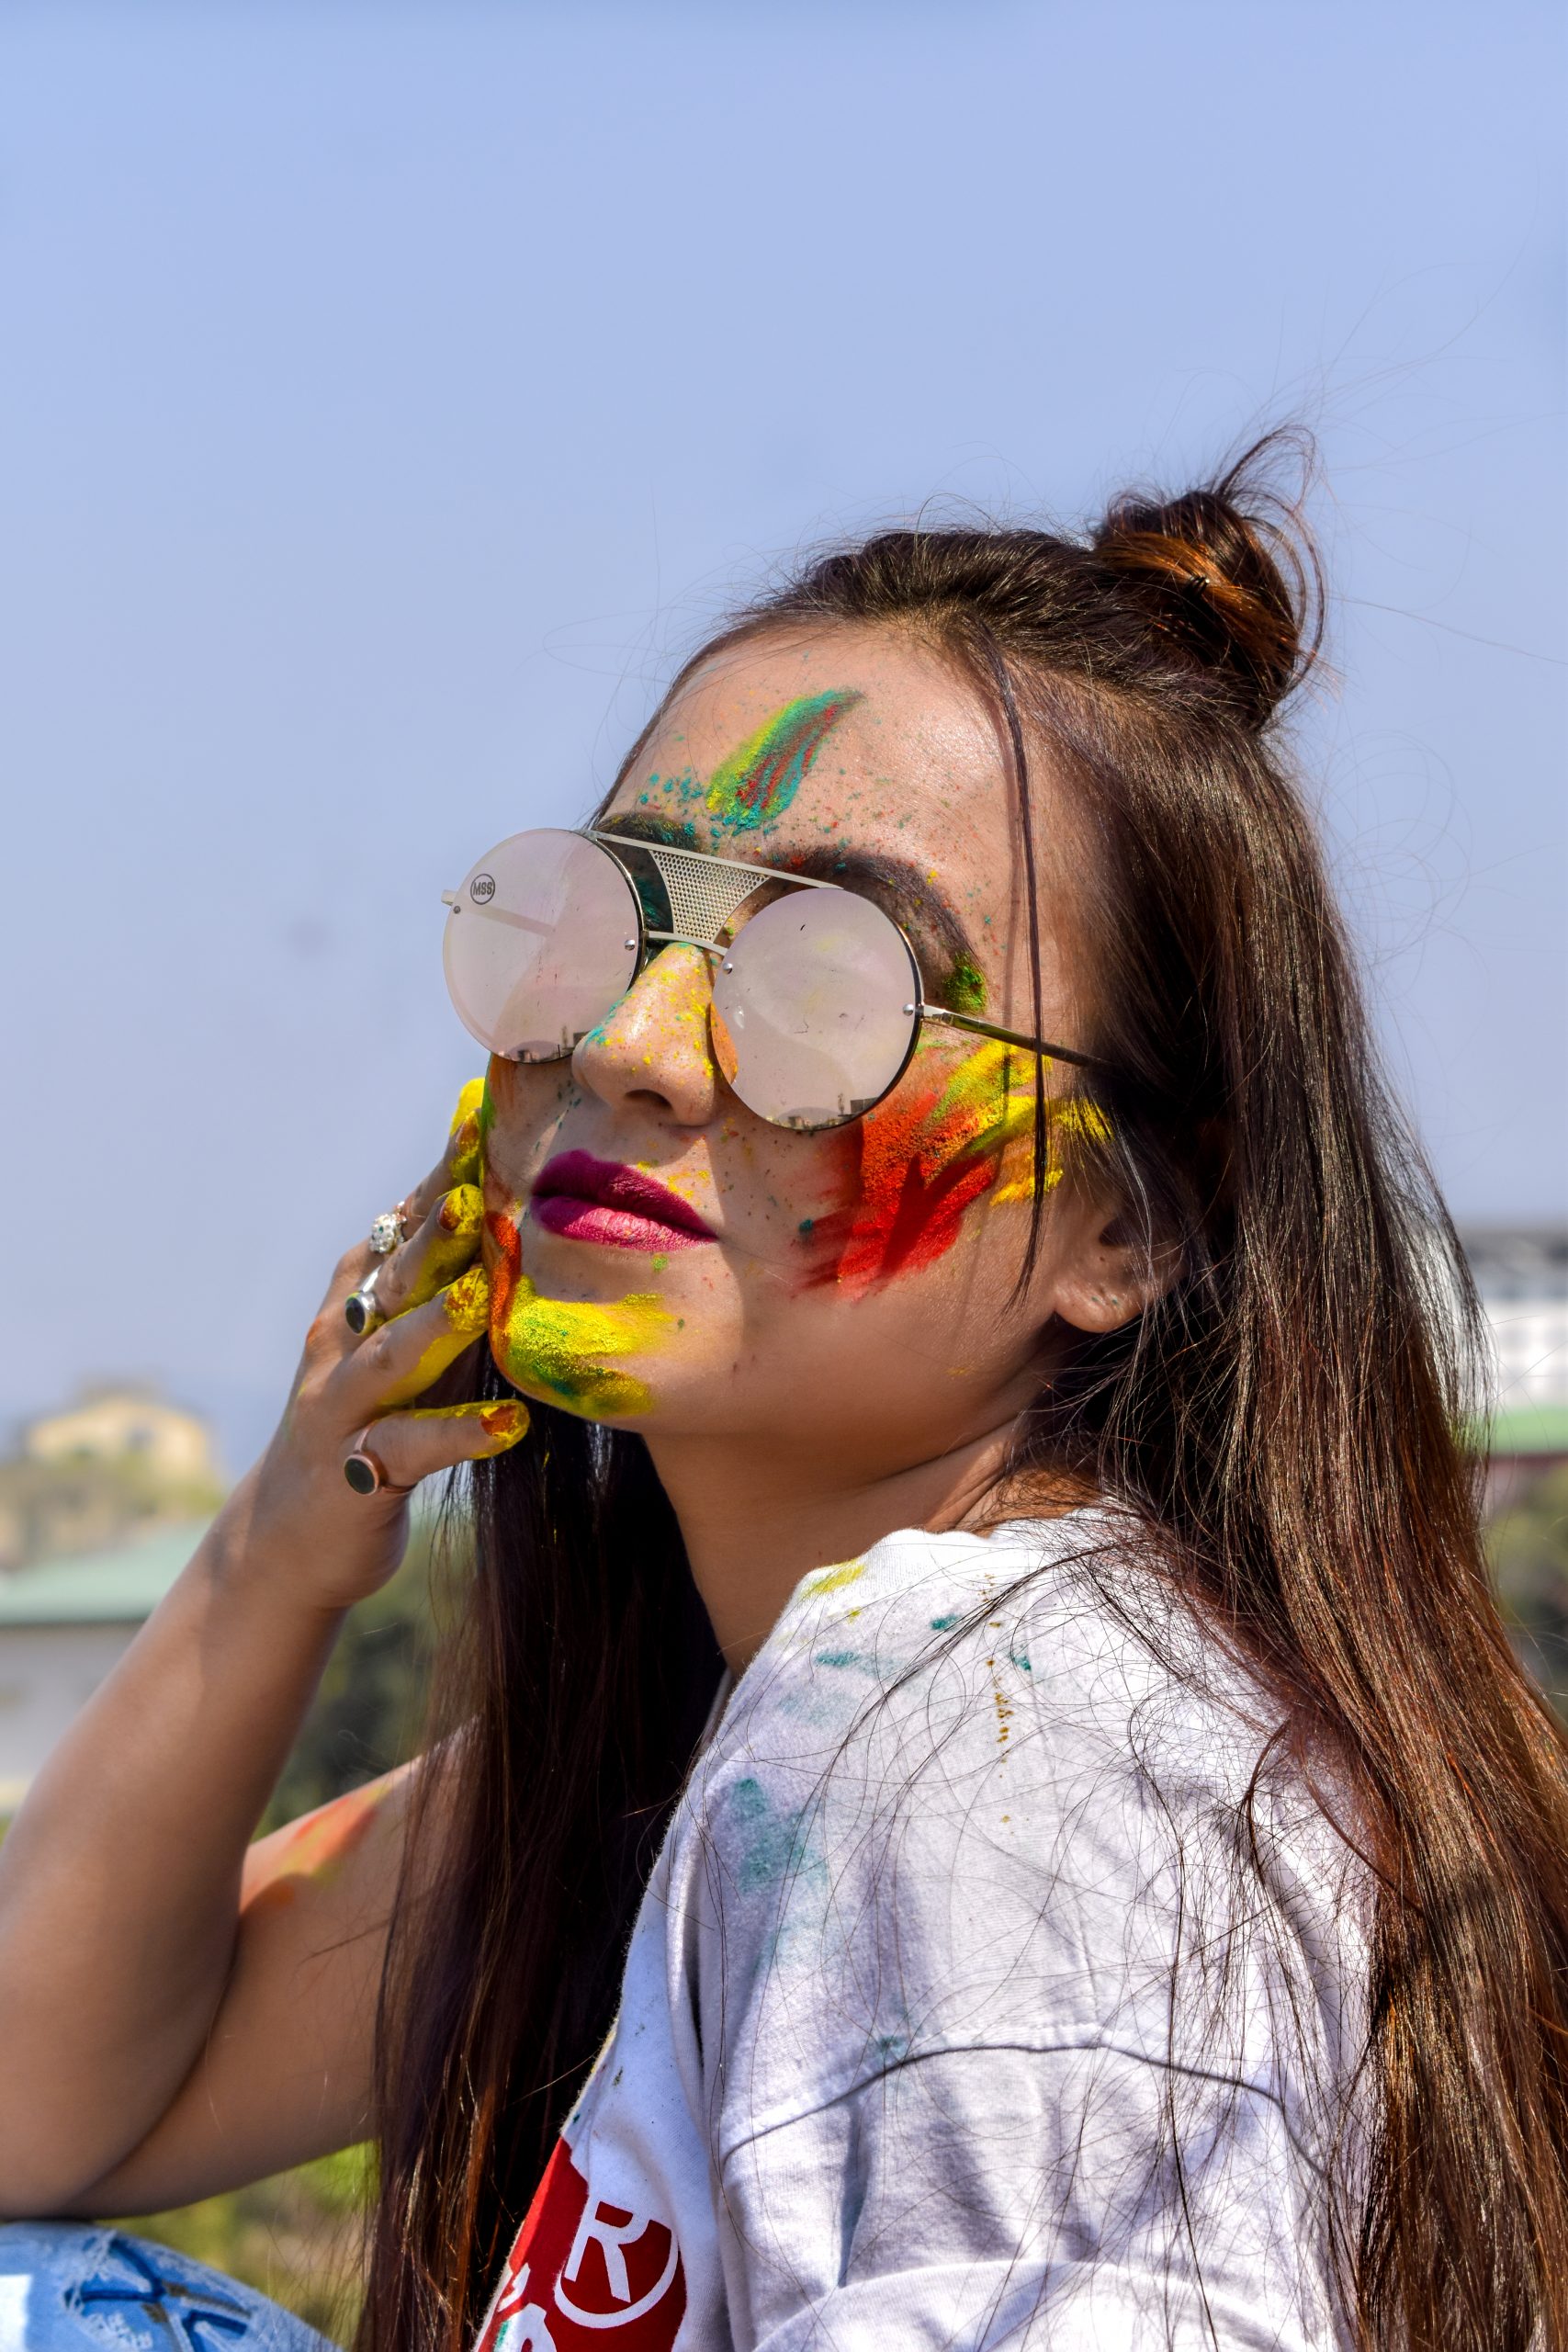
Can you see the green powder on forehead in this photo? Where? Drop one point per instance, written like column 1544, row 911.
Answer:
column 756, row 783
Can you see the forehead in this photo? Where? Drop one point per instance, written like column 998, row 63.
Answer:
column 787, row 741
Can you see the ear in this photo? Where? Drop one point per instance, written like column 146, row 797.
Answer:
column 1107, row 1276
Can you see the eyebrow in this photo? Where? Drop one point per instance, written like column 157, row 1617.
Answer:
column 914, row 894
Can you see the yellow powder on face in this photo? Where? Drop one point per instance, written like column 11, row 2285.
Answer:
column 1066, row 1115
column 571, row 1350
column 948, row 1137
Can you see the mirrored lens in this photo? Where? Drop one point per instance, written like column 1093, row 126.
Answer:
column 813, row 1000
column 542, row 942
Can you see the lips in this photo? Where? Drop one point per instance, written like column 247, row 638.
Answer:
column 585, row 1199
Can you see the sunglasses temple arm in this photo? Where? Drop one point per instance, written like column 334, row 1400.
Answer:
column 1005, row 1036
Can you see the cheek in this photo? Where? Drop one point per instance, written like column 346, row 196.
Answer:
column 948, row 1140
column 520, row 1108
column 572, row 1353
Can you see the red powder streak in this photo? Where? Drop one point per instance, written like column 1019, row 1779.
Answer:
column 916, row 1168
column 768, row 780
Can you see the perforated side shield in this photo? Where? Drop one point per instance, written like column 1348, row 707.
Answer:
column 704, row 892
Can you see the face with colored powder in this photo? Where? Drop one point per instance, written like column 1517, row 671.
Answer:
column 663, row 1257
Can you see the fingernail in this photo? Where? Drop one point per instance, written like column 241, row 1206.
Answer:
column 503, row 1423
column 463, row 1210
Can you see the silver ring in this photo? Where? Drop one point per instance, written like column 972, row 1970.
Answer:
column 360, row 1311
column 388, row 1230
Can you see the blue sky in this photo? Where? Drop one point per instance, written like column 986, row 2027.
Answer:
column 390, row 392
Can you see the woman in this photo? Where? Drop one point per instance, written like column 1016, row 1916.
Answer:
column 984, row 1593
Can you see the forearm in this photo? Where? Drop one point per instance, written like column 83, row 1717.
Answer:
column 141, row 2009
column 120, row 1878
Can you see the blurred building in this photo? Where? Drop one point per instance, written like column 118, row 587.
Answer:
column 1521, row 1273
column 101, row 1505
column 111, row 1420
column 63, row 1626
column 119, row 1462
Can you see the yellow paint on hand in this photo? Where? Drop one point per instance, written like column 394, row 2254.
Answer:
column 462, row 1211
column 465, row 1136
column 465, row 1306
column 502, row 1420
column 451, row 1246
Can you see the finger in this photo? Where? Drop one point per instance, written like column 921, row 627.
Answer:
column 433, row 1256
column 463, row 1159
column 466, row 1136
column 401, row 1359
column 465, row 1152
column 330, row 1335
column 420, row 1444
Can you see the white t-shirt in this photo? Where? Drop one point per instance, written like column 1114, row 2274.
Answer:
column 969, row 2003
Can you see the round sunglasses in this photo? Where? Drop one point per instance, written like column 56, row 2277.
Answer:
column 817, row 999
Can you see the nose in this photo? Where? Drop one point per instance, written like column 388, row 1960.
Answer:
column 654, row 1051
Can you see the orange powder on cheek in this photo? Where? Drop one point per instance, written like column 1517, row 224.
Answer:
column 921, row 1159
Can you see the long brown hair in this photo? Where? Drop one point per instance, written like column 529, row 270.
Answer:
column 1287, row 1420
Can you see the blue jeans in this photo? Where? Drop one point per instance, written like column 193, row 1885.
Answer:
column 84, row 2287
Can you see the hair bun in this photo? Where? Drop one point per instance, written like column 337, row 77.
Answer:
column 1230, row 573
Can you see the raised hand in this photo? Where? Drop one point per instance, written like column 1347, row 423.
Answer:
column 388, row 1328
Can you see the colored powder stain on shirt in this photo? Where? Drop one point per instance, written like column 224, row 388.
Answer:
column 845, row 1658
column 944, row 1624
column 835, row 1579
column 570, row 1349
column 774, row 1843
column 757, row 783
